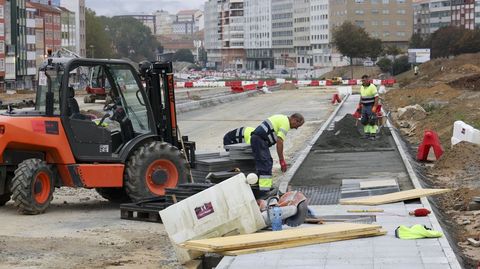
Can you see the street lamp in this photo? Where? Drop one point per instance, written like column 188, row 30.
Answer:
column 92, row 49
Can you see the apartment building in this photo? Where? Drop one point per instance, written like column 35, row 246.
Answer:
column 282, row 34
column 477, row 13
column 68, row 29
column 389, row 20
column 31, row 42
column 2, row 45
column 463, row 13
column 16, row 75
column 52, row 25
column 232, row 34
column 258, row 34
column 320, row 34
column 78, row 7
column 301, row 33
column 430, row 15
column 213, row 34
column 163, row 23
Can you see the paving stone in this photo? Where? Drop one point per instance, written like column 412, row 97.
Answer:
column 428, row 242
column 400, row 265
column 351, row 261
column 391, row 252
column 349, row 266
column 436, row 266
column 441, row 260
column 397, row 260
column 283, row 263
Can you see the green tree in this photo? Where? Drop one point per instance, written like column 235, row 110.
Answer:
column 99, row 44
column 352, row 41
column 131, row 39
column 444, row 39
column 469, row 42
column 401, row 65
column 385, row 64
column 417, row 41
column 393, row 51
column 183, row 55
column 202, row 56
column 375, row 48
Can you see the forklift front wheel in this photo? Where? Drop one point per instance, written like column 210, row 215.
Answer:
column 152, row 168
column 32, row 187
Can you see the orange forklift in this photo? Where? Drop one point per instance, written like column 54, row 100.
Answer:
column 136, row 157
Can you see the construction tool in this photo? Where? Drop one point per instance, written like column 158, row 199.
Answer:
column 293, row 205
column 419, row 212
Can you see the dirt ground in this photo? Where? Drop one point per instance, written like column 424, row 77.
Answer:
column 82, row 230
column 448, row 90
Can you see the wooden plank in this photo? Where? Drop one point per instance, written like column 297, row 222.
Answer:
column 378, row 184
column 250, row 240
column 335, row 237
column 298, row 243
column 393, row 197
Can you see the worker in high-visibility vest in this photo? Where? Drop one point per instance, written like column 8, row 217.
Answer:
column 239, row 135
column 368, row 104
column 272, row 131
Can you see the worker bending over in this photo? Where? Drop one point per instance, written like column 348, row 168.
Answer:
column 368, row 103
column 272, row 131
column 239, row 135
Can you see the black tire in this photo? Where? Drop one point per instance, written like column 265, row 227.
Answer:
column 137, row 183
column 32, row 186
column 114, row 195
column 4, row 198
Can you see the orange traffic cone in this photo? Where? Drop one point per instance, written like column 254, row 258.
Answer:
column 430, row 140
column 336, row 98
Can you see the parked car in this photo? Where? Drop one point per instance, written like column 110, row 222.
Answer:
column 284, row 72
column 368, row 63
column 208, row 79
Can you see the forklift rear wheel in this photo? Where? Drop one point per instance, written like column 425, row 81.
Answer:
column 154, row 167
column 4, row 198
column 114, row 195
column 32, row 187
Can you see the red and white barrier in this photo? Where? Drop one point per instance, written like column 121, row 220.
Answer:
column 301, row 83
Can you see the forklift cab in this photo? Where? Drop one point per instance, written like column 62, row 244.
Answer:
column 97, row 132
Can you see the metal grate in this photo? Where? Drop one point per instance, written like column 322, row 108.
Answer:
column 321, row 195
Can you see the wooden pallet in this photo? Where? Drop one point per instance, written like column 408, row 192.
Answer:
column 143, row 212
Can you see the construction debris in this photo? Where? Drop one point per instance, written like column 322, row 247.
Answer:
column 251, row 243
column 393, row 197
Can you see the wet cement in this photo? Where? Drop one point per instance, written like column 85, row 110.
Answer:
column 347, row 135
column 342, row 153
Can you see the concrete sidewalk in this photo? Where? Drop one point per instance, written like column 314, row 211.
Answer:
column 377, row 252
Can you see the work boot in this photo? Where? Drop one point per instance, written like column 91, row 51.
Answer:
column 372, row 137
column 366, row 136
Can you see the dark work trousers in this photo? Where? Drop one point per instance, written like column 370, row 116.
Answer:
column 261, row 152
column 230, row 138
column 368, row 117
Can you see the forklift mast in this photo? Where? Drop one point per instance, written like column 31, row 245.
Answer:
column 160, row 88
column 160, row 91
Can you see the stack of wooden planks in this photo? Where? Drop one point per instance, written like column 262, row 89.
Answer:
column 393, row 197
column 258, row 242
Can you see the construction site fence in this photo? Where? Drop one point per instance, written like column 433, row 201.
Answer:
column 260, row 83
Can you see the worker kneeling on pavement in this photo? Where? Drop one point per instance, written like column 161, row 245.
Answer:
column 272, row 131
column 368, row 104
column 239, row 135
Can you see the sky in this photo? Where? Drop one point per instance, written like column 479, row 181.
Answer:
column 125, row 7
